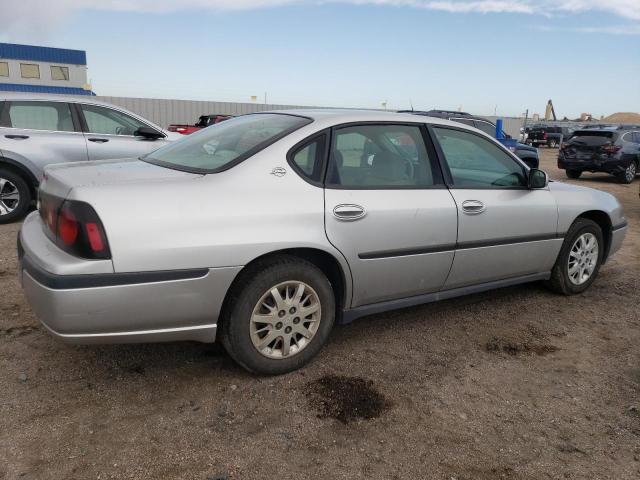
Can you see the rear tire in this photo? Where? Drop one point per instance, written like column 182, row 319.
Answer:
column 630, row 172
column 573, row 173
column 552, row 143
column 15, row 196
column 571, row 256
column 247, row 341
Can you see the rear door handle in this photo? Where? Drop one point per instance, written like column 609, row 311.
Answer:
column 473, row 207
column 348, row 212
column 17, row 137
column 98, row 140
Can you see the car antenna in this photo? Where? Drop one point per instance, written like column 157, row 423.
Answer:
column 411, row 104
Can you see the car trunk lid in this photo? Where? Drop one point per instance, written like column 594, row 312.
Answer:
column 60, row 179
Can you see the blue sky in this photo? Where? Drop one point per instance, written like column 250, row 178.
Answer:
column 480, row 55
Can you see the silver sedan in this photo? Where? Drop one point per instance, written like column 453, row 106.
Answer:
column 267, row 229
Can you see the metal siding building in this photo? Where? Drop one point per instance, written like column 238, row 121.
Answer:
column 164, row 112
column 30, row 68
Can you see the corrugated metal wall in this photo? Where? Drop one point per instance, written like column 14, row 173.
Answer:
column 165, row 112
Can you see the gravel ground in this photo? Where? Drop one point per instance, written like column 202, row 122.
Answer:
column 517, row 383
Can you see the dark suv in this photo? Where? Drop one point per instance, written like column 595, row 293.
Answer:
column 615, row 150
column 527, row 154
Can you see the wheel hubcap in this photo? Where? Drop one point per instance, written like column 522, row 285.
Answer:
column 285, row 319
column 583, row 258
column 9, row 196
column 631, row 171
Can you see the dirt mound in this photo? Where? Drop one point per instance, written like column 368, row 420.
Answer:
column 623, row 117
column 346, row 398
column 517, row 348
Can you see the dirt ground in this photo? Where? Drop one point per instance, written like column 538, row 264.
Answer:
column 517, row 383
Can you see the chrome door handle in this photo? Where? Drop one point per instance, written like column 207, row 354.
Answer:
column 348, row 212
column 473, row 207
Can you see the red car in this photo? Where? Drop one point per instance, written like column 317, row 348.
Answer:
column 203, row 122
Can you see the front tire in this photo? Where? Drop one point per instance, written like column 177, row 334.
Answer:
column 279, row 315
column 579, row 260
column 573, row 173
column 15, row 196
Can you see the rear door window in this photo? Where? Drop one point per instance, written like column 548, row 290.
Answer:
column 50, row 116
column 381, row 157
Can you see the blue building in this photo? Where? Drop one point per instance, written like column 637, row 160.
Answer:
column 29, row 68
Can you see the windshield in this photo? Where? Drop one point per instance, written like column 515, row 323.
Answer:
column 226, row 144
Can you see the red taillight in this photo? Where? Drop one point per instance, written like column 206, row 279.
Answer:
column 545, row 135
column 611, row 148
column 181, row 130
column 74, row 226
column 67, row 227
column 95, row 237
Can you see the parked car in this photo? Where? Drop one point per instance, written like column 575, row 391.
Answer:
column 527, row 154
column 203, row 122
column 38, row 130
column 266, row 229
column 614, row 150
column 551, row 136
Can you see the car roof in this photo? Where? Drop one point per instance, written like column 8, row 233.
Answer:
column 334, row 116
column 53, row 97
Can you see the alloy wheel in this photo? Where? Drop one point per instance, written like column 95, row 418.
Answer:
column 583, row 258
column 9, row 196
column 285, row 319
column 630, row 172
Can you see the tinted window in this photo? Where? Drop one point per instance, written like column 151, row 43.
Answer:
column 227, row 142
column 308, row 158
column 110, row 122
column 378, row 156
column 477, row 162
column 106, row 121
column 486, row 127
column 55, row 116
column 466, row 121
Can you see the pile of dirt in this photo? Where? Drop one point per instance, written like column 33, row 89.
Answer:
column 516, row 348
column 346, row 398
column 623, row 117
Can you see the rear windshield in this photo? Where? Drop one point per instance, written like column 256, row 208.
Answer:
column 226, row 144
column 592, row 133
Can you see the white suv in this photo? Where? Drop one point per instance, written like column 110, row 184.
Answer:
column 38, row 130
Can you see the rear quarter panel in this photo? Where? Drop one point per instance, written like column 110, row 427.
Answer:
column 218, row 220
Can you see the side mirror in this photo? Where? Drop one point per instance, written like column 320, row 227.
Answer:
column 507, row 136
column 538, row 178
column 148, row 133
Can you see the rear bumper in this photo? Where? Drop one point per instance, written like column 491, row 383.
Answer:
column 123, row 308
column 593, row 165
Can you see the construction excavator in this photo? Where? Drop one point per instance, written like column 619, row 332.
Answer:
column 549, row 112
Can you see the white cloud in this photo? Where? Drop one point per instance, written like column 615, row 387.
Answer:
column 37, row 16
